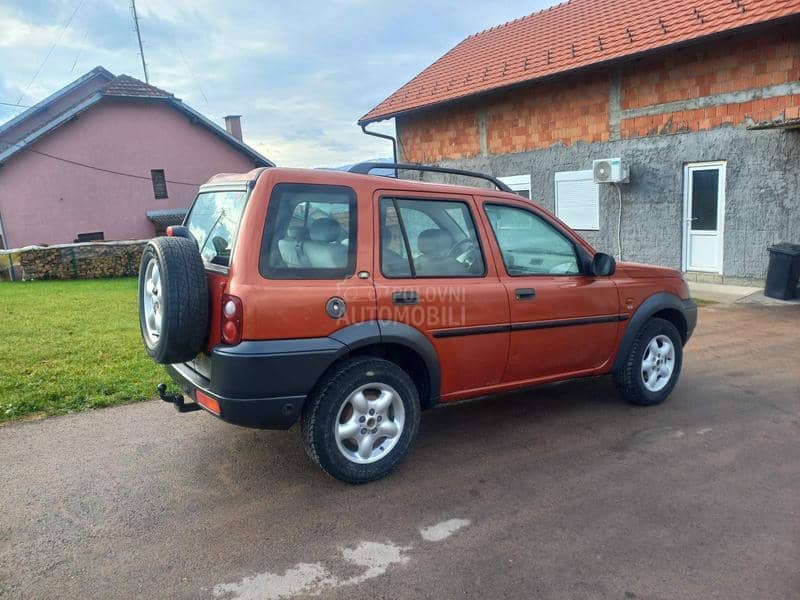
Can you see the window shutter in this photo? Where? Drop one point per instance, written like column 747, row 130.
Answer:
column 578, row 200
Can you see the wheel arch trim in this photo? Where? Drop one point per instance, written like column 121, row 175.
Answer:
column 652, row 305
column 369, row 333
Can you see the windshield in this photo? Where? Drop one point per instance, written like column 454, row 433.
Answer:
column 214, row 221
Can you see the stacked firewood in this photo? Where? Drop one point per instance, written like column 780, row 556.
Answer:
column 81, row 261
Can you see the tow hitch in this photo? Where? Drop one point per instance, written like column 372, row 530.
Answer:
column 176, row 400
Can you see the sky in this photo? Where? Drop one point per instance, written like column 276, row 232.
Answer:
column 300, row 73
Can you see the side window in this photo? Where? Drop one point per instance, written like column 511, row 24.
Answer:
column 529, row 244
column 428, row 238
column 214, row 221
column 310, row 233
column 159, row 184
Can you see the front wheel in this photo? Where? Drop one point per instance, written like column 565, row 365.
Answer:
column 653, row 364
column 359, row 424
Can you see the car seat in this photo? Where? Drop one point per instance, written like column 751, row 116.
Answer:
column 324, row 250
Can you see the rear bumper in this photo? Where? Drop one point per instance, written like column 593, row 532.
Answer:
column 260, row 384
column 690, row 314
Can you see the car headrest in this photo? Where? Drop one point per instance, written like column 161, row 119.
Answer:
column 325, row 230
column 435, row 242
column 297, row 232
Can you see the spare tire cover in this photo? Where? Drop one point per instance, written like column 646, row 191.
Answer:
column 173, row 300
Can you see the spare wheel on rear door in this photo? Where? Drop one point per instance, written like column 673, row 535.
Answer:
column 173, row 300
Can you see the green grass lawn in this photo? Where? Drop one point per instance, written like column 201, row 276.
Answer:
column 71, row 345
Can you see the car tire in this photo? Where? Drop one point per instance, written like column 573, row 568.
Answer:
column 653, row 364
column 173, row 300
column 348, row 419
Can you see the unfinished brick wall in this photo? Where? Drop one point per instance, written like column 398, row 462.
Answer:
column 578, row 108
column 748, row 62
column 448, row 132
column 575, row 110
column 570, row 111
column 739, row 63
column 771, row 109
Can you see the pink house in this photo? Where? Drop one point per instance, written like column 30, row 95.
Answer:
column 109, row 157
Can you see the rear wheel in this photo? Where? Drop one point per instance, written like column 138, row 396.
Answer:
column 653, row 364
column 360, row 423
column 173, row 300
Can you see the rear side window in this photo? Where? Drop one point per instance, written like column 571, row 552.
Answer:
column 428, row 238
column 214, row 221
column 310, row 232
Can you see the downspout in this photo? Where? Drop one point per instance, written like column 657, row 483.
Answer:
column 5, row 247
column 385, row 137
column 3, row 234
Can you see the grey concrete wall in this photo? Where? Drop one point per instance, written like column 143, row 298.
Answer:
column 762, row 193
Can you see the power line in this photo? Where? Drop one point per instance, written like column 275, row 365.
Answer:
column 80, row 50
column 50, row 52
column 15, row 104
column 95, row 168
column 191, row 72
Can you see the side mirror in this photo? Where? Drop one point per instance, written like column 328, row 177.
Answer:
column 603, row 265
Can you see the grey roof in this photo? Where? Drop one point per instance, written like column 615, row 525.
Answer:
column 99, row 72
column 166, row 217
column 121, row 86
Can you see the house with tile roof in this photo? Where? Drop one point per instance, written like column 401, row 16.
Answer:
column 109, row 157
column 700, row 99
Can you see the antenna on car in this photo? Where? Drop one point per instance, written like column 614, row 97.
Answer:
column 365, row 168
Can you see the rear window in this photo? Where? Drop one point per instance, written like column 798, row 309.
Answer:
column 214, row 221
column 310, row 232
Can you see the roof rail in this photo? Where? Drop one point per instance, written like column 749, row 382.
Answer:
column 365, row 168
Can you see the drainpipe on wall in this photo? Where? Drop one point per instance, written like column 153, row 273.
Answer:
column 3, row 234
column 385, row 137
column 4, row 247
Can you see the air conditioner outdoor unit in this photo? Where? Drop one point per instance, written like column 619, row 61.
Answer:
column 610, row 170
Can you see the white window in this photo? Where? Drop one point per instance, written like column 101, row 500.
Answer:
column 520, row 184
column 578, row 199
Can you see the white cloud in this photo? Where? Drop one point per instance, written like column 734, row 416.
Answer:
column 300, row 74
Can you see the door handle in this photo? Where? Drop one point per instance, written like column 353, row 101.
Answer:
column 406, row 297
column 525, row 293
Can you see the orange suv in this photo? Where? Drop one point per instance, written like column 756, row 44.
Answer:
column 353, row 302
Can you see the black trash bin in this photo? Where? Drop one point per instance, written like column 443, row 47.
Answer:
column 783, row 272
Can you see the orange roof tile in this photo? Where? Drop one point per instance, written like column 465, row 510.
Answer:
column 575, row 34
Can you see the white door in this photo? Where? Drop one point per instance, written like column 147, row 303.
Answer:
column 704, row 216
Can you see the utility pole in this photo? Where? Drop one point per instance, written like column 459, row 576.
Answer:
column 139, row 37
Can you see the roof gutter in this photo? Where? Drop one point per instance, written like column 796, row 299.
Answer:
column 385, row 137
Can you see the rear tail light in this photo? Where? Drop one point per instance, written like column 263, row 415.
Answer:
column 179, row 231
column 231, row 319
